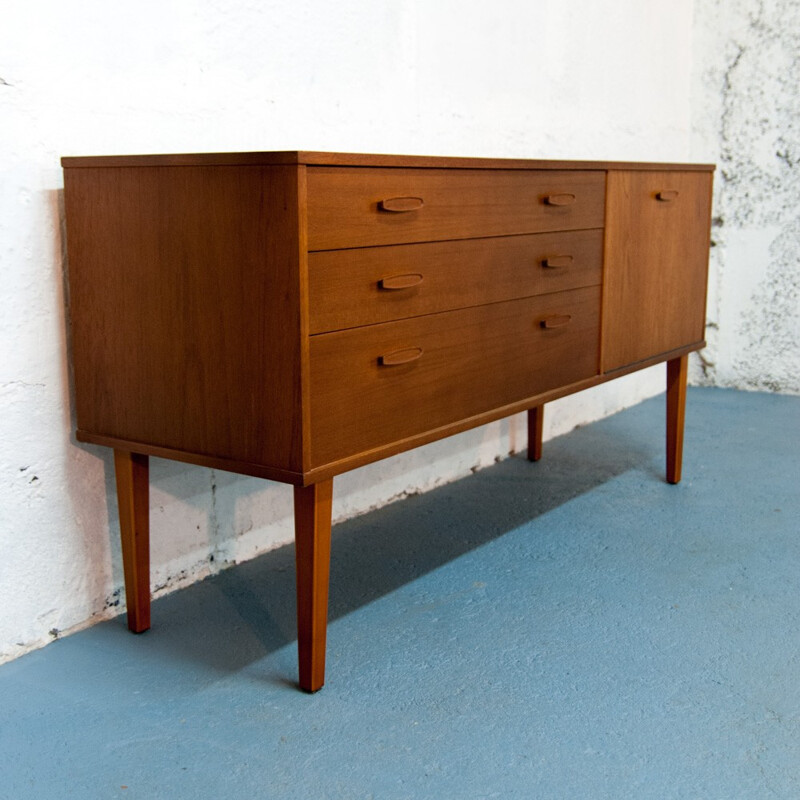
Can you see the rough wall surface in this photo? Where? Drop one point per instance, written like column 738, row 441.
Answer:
column 515, row 79
column 747, row 119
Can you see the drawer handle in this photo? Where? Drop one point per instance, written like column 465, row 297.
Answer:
column 400, row 281
column 666, row 195
column 401, row 204
column 554, row 262
column 556, row 321
column 564, row 199
column 400, row 357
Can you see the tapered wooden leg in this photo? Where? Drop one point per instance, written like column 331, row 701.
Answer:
column 676, row 406
column 312, row 525
column 133, row 498
column 535, row 427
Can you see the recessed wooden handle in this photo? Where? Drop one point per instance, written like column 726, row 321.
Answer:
column 554, row 262
column 666, row 195
column 556, row 321
column 400, row 357
column 563, row 199
column 401, row 204
column 400, row 281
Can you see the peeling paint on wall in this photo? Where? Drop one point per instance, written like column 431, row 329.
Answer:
column 748, row 110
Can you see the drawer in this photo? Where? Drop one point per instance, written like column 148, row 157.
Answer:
column 383, row 383
column 357, row 207
column 362, row 286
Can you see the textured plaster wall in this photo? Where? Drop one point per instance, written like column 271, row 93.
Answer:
column 512, row 78
column 747, row 119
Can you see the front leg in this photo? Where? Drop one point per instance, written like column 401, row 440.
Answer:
column 133, row 499
column 312, row 524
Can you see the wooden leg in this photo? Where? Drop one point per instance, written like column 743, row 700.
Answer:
column 133, row 498
column 676, row 405
column 312, row 524
column 535, row 427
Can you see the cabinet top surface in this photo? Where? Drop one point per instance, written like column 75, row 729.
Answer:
column 357, row 160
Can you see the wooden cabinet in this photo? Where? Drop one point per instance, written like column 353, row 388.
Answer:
column 295, row 315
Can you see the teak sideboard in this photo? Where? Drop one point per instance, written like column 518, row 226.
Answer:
column 293, row 315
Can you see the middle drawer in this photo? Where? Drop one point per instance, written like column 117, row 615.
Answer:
column 362, row 286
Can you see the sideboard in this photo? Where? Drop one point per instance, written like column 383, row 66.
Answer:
column 293, row 315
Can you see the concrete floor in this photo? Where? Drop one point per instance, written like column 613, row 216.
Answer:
column 575, row 628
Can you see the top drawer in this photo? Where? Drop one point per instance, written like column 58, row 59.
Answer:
column 357, row 207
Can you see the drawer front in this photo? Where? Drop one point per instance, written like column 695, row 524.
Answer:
column 362, row 286
column 380, row 384
column 357, row 207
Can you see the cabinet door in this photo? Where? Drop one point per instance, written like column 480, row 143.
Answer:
column 656, row 264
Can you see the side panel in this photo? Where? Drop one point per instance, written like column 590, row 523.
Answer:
column 656, row 264
column 185, row 308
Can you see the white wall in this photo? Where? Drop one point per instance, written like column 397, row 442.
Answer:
column 747, row 120
column 511, row 78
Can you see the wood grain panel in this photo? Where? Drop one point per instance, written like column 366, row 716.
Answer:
column 345, row 286
column 656, row 264
column 473, row 360
column 344, row 204
column 186, row 311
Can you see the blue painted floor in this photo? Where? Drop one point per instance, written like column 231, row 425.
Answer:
column 575, row 628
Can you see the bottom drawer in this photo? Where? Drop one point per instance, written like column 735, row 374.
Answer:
column 382, row 383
